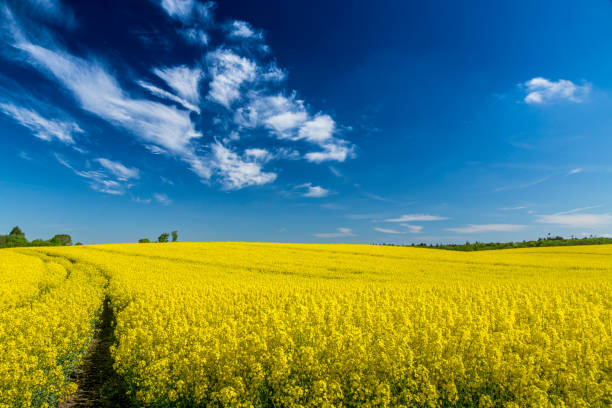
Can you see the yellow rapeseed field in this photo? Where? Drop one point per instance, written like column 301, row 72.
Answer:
column 284, row 325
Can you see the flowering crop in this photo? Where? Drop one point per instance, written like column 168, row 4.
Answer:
column 253, row 325
column 46, row 322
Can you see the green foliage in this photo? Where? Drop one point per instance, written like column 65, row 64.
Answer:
column 163, row 237
column 17, row 238
column 16, row 231
column 144, row 241
column 62, row 239
column 78, row 243
column 540, row 242
column 174, row 236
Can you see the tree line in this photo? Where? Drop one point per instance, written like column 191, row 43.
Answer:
column 17, row 238
column 164, row 237
column 540, row 242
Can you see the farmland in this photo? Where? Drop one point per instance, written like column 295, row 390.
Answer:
column 288, row 325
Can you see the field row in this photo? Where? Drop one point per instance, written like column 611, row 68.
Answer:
column 257, row 325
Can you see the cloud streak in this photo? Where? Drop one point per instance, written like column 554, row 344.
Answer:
column 110, row 177
column 482, row 228
column 416, row 217
column 341, row 232
column 41, row 127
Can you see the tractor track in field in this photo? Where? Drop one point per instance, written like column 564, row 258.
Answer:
column 98, row 384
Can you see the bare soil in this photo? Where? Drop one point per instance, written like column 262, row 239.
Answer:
column 99, row 384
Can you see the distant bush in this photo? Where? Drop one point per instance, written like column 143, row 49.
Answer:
column 163, row 237
column 540, row 242
column 174, row 236
column 144, row 241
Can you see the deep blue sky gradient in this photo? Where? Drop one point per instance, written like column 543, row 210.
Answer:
column 430, row 95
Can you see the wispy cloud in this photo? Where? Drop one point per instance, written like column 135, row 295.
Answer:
column 185, row 81
column 229, row 72
column 162, row 198
column 389, row 231
column 98, row 92
column 518, row 207
column 541, row 90
column 242, row 29
column 522, row 186
column 415, row 229
column 234, row 91
column 574, row 218
column 313, row 191
column 575, row 171
column 237, row 172
column 479, row 228
column 110, row 177
column 342, row 232
column 41, row 127
column 580, row 209
column 416, row 217
column 120, row 171
column 189, row 12
column 163, row 94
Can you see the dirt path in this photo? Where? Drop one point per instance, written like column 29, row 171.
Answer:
column 99, row 384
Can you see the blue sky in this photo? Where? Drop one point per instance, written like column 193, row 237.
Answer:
column 306, row 121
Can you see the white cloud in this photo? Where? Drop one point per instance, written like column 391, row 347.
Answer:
column 338, row 151
column 160, row 93
column 477, row 228
column 119, row 170
column 183, row 80
column 42, row 128
column 288, row 119
column 111, row 178
column 278, row 113
column 575, row 171
column 416, row 217
column 574, row 220
column 237, row 172
column 313, row 191
column 99, row 93
column 415, row 229
column 195, row 36
column 335, row 171
column 242, row 29
column 318, row 130
column 240, row 76
column 229, row 72
column 141, row 200
column 518, row 207
column 162, row 198
column 187, row 10
column 580, row 209
column 541, row 90
column 522, row 186
column 389, row 231
column 260, row 155
column 342, row 232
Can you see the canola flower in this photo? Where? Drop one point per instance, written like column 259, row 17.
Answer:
column 256, row 325
column 45, row 326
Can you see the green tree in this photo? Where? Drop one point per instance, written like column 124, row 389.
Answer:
column 62, row 239
column 163, row 237
column 16, row 231
column 78, row 243
column 144, row 241
column 174, row 236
